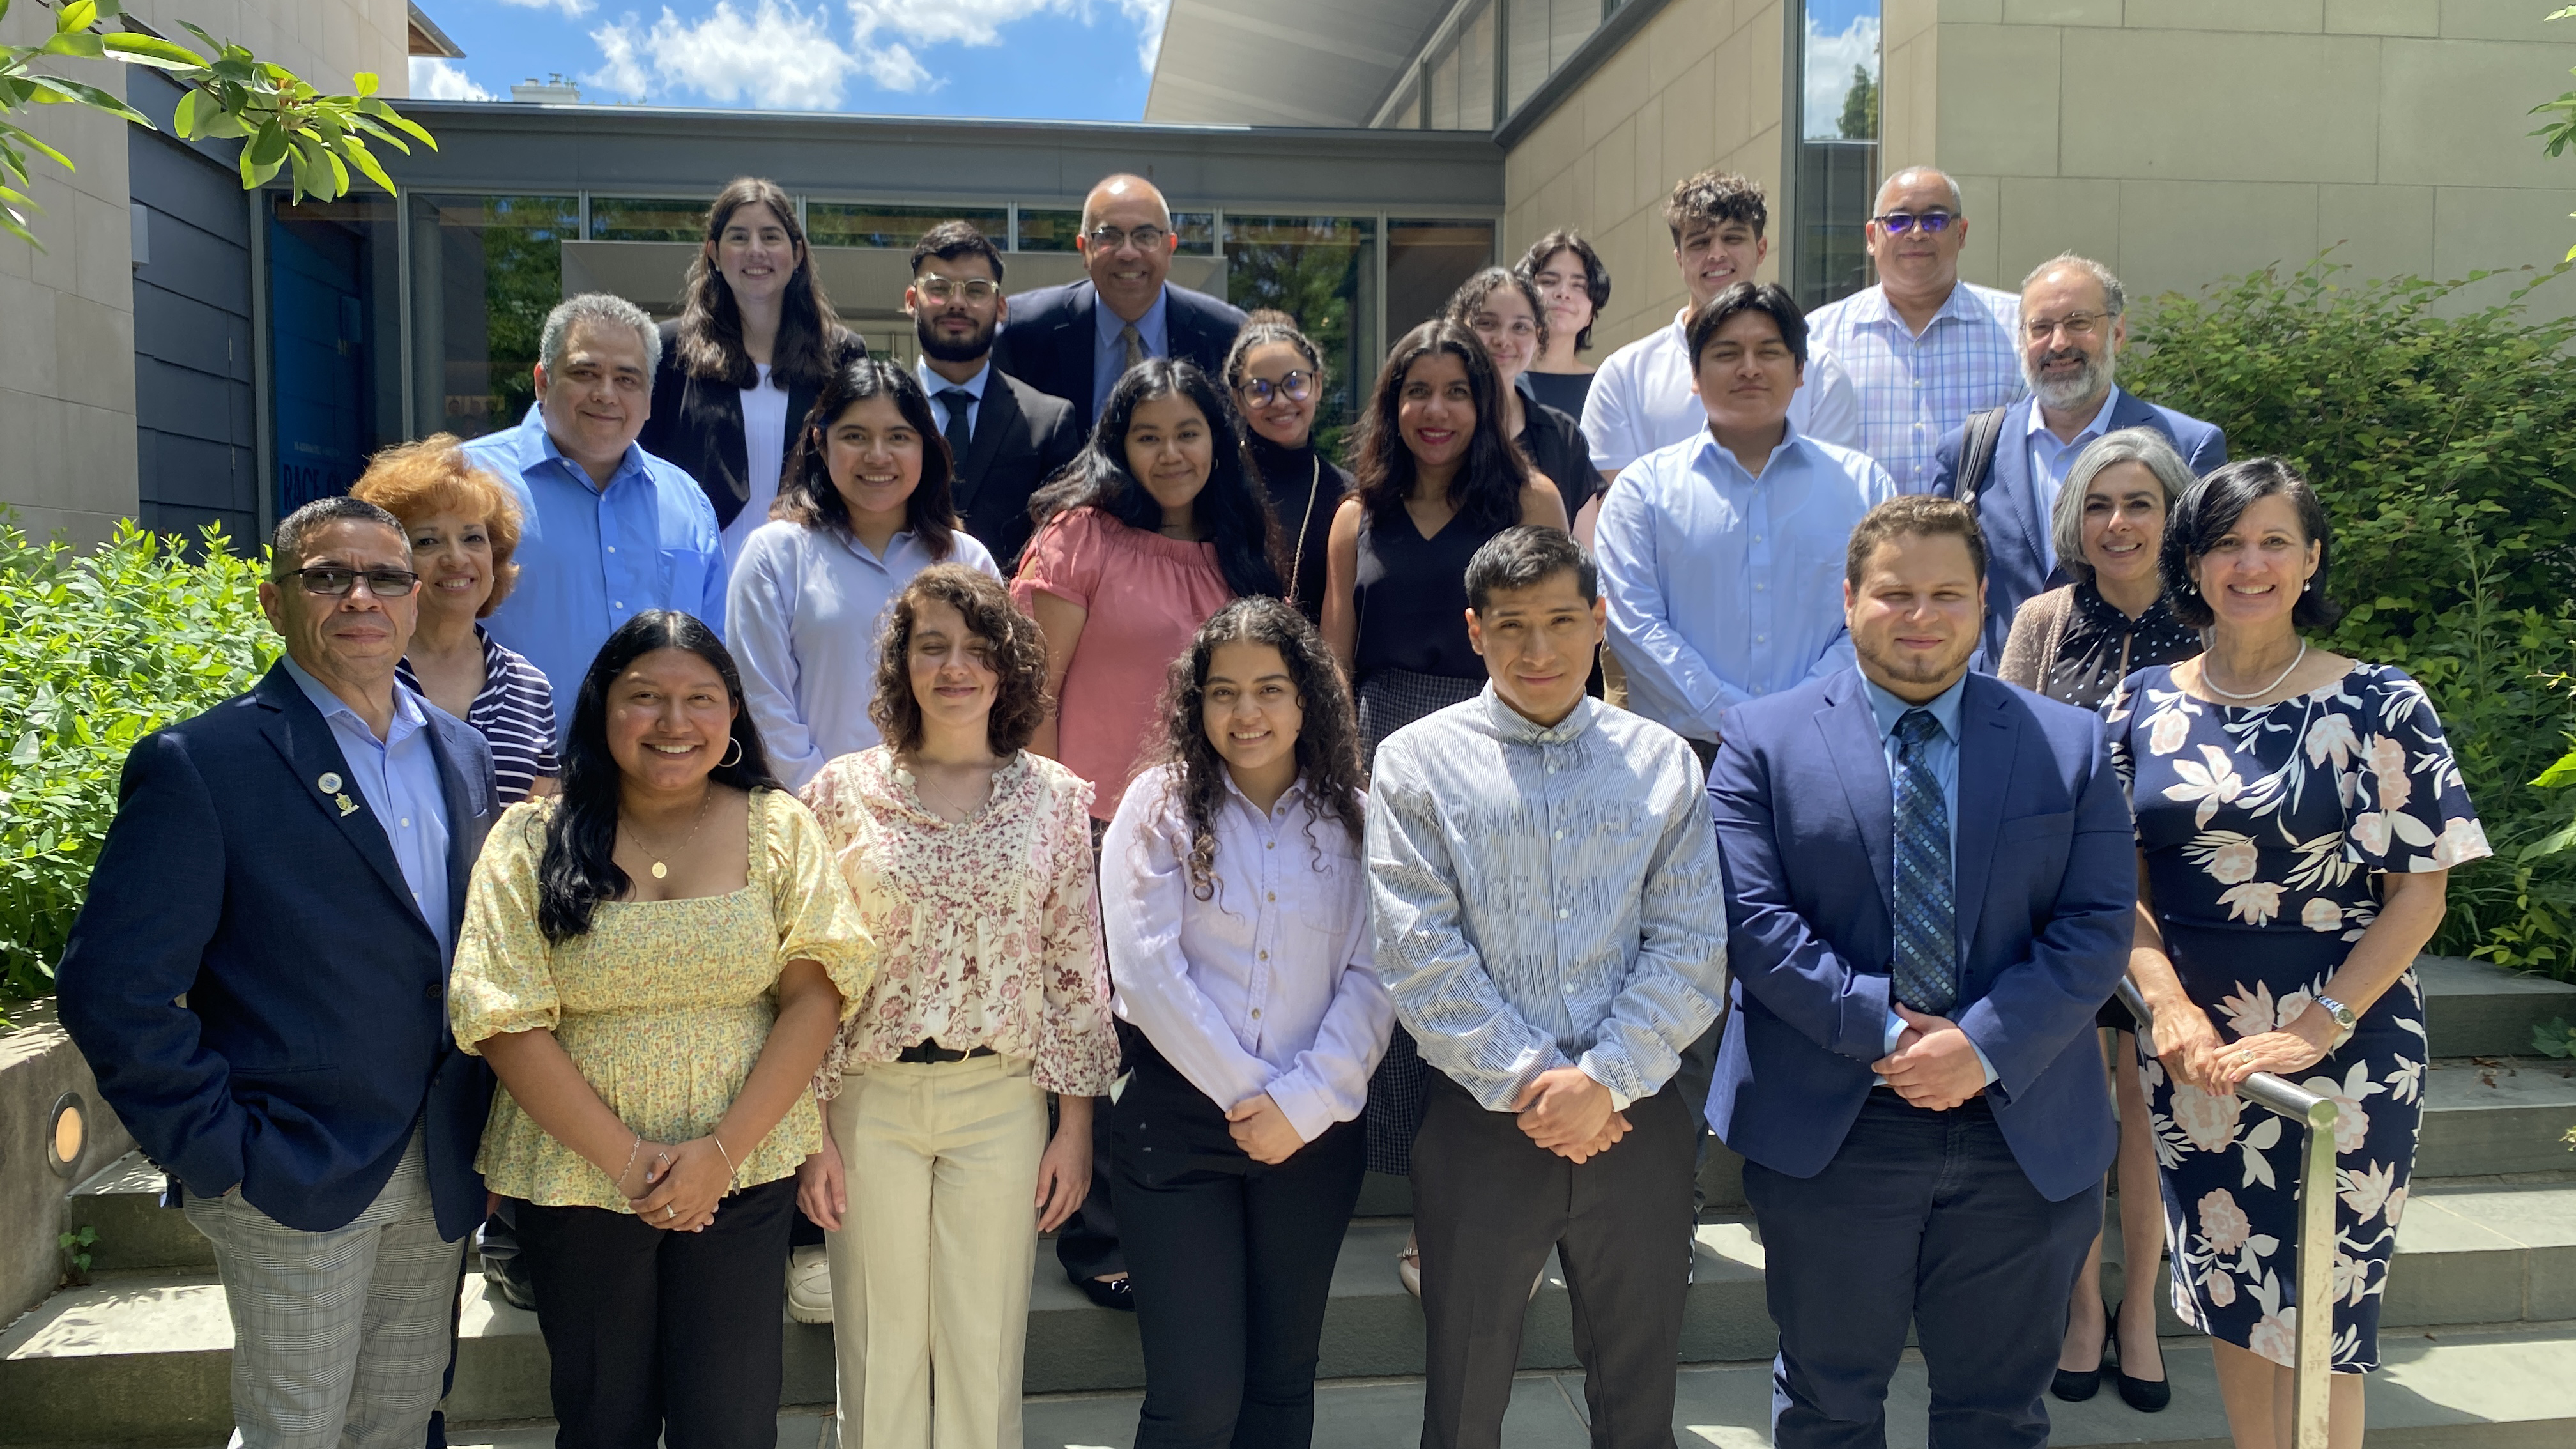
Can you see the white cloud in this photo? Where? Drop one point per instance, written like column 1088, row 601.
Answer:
column 980, row 22
column 434, row 79
column 778, row 58
column 572, row 9
column 1830, row 59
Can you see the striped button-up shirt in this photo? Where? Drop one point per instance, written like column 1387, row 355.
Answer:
column 1914, row 390
column 1545, row 896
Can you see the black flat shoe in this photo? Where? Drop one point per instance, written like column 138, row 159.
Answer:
column 1117, row 1293
column 2075, row 1388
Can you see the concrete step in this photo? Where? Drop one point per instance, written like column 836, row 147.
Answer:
column 2473, row 1390
column 142, row 1359
column 2480, row 1009
column 2483, row 1118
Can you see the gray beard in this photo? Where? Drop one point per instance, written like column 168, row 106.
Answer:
column 2090, row 385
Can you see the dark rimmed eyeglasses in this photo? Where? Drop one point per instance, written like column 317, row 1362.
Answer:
column 335, row 583
column 1898, row 223
column 1296, row 384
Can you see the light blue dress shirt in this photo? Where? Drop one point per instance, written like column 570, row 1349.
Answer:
column 1941, row 752
column 932, row 385
column 806, row 604
column 1725, row 586
column 1914, row 389
column 1545, row 896
column 2049, row 460
column 591, row 558
column 397, row 777
column 1109, row 355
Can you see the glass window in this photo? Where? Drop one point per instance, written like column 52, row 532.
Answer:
column 1837, row 177
column 335, row 363
column 665, row 220
column 485, row 271
column 1425, row 262
column 1406, row 113
column 1198, row 232
column 1048, row 230
column 1475, row 44
column 1440, row 79
column 1525, row 45
column 1321, row 270
column 1570, row 23
column 865, row 224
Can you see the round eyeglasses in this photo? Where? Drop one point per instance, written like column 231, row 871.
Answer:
column 1296, row 384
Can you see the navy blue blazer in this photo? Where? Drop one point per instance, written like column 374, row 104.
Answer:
column 2047, row 881
column 2016, row 555
column 314, row 1028
column 1052, row 344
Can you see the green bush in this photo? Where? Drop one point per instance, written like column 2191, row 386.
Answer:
column 2443, row 443
column 97, row 650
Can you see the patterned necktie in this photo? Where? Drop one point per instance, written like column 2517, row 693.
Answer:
column 1927, row 970
column 1134, row 342
column 960, row 435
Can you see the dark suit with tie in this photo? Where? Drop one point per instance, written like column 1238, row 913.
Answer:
column 266, row 1009
column 2008, row 508
column 697, row 424
column 1021, row 438
column 1052, row 340
column 1840, row 1172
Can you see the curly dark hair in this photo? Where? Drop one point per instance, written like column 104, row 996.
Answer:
column 1232, row 510
column 1487, row 490
column 1017, row 652
column 1596, row 277
column 578, row 868
column 807, row 495
column 1328, row 749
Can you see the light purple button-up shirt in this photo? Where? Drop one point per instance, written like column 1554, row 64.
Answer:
column 1266, row 986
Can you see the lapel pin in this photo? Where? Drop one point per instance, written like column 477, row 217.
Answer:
column 329, row 784
column 347, row 805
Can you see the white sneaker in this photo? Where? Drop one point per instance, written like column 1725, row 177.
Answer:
column 809, row 1285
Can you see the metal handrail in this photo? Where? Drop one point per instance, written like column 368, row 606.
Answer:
column 2314, row 1363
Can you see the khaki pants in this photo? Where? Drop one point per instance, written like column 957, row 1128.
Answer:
column 931, row 1266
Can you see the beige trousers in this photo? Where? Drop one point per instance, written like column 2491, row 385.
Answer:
column 930, row 1270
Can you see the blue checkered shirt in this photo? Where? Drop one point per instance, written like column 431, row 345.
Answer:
column 1914, row 390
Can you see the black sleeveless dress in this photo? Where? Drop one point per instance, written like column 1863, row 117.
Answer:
column 1413, row 656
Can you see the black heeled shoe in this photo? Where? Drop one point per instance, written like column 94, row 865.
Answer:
column 2147, row 1396
column 2074, row 1387
column 1116, row 1293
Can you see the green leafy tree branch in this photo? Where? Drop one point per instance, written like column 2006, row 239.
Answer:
column 2560, row 130
column 283, row 123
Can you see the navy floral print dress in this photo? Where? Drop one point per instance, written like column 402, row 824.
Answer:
column 2264, row 830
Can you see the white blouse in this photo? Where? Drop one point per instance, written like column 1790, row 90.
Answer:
column 1267, row 986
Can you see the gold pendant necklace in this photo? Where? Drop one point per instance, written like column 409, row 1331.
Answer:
column 662, row 871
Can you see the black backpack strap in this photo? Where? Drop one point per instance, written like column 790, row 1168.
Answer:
column 1977, row 454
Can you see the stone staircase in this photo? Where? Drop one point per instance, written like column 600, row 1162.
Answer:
column 2483, row 1295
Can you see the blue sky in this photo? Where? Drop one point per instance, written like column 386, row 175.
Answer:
column 1062, row 59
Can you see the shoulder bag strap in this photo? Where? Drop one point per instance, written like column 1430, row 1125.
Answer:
column 1977, row 454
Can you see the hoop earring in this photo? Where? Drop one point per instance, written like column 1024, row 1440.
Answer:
column 736, row 753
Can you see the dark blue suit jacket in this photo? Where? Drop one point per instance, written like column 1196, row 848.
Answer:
column 1051, row 342
column 2047, row 879
column 314, row 1032
column 2016, row 556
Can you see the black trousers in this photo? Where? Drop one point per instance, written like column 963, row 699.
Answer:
column 1232, row 1262
column 661, row 1337
column 1488, row 1204
column 1087, row 1245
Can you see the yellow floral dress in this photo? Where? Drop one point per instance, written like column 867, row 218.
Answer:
column 663, row 1005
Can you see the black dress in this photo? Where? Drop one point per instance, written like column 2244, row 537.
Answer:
column 2102, row 646
column 1304, row 491
column 1564, row 391
column 1553, row 443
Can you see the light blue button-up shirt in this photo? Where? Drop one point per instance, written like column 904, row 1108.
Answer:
column 1941, row 752
column 1545, row 896
column 806, row 604
column 1914, row 389
column 2049, row 461
column 1109, row 354
column 397, row 777
column 591, row 558
column 1725, row 585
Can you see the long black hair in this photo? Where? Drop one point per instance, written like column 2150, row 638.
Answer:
column 1230, row 512
column 579, row 868
column 807, row 495
column 710, row 337
column 1487, row 489
column 1328, row 749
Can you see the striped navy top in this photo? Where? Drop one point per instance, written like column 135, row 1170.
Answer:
column 515, row 714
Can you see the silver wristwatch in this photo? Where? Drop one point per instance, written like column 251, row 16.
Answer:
column 2344, row 1019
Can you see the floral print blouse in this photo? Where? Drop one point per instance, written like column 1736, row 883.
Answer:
column 988, row 930
column 663, row 1005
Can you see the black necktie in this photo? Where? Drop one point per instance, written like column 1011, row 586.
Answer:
column 957, row 400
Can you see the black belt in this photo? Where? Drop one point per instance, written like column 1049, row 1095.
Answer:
column 931, row 1053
